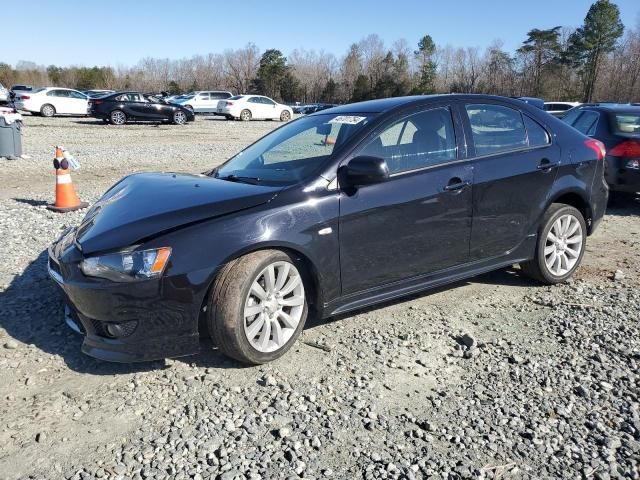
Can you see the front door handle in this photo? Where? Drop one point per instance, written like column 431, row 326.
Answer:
column 456, row 184
column 546, row 165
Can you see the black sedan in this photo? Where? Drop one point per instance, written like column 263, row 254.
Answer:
column 618, row 127
column 332, row 212
column 121, row 107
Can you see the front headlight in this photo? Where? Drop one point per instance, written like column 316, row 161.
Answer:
column 127, row 266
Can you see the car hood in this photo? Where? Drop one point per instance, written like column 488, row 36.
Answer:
column 144, row 205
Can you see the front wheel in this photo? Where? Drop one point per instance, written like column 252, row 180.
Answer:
column 118, row 117
column 257, row 307
column 285, row 116
column 179, row 117
column 561, row 242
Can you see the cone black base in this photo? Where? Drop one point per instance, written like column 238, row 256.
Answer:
column 80, row 206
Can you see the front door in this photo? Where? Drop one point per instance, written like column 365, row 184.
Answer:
column 515, row 165
column 418, row 221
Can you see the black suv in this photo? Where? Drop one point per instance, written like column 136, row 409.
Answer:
column 618, row 127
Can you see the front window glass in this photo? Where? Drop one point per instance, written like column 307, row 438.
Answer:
column 293, row 152
column 496, row 128
column 627, row 122
column 417, row 141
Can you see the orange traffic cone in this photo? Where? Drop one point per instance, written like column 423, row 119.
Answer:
column 66, row 198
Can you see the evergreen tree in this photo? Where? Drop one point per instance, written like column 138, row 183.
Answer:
column 590, row 43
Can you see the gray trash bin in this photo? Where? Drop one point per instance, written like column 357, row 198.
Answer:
column 10, row 138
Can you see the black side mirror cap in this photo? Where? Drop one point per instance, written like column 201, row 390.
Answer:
column 364, row 170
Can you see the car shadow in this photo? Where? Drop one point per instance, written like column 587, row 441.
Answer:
column 624, row 206
column 32, row 312
column 505, row 277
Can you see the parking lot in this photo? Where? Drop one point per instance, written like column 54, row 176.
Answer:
column 496, row 377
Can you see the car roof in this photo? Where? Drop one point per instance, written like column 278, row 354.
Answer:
column 386, row 104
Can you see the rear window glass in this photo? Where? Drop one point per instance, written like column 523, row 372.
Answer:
column 627, row 122
column 237, row 97
column 571, row 117
column 496, row 128
column 586, row 123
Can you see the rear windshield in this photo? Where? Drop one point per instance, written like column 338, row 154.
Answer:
column 237, row 97
column 627, row 122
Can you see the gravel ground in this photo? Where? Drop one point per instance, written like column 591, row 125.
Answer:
column 496, row 377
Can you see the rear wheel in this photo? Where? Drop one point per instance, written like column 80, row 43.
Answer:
column 117, row 117
column 285, row 116
column 561, row 242
column 179, row 117
column 245, row 115
column 257, row 307
column 47, row 110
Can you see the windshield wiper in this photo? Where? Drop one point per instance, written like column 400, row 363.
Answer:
column 240, row 178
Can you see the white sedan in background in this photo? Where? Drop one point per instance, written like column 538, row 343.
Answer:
column 52, row 101
column 247, row 107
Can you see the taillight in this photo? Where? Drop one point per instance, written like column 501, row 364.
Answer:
column 228, row 104
column 24, row 97
column 626, row 149
column 597, row 146
column 96, row 102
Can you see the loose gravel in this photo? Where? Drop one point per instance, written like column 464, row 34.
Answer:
column 496, row 377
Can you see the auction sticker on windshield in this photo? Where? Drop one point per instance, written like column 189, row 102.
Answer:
column 348, row 119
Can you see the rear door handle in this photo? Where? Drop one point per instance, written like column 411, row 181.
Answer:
column 546, row 165
column 456, row 184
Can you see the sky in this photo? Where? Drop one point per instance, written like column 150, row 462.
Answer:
column 117, row 32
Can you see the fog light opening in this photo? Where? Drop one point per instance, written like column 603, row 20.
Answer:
column 120, row 330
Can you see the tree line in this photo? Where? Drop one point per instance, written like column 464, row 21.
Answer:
column 598, row 61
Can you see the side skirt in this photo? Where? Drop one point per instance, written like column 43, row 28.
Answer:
column 385, row 293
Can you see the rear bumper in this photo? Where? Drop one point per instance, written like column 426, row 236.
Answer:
column 619, row 177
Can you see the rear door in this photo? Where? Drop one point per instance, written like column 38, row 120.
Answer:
column 515, row 165
column 418, row 221
column 201, row 102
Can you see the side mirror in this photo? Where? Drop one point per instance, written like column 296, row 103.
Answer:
column 364, row 170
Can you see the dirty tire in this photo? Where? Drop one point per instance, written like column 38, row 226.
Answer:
column 226, row 306
column 245, row 115
column 285, row 116
column 47, row 110
column 537, row 267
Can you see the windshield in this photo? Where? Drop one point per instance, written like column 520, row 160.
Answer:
column 294, row 152
column 628, row 122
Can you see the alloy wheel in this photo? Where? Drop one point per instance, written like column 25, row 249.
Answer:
column 179, row 117
column 274, row 307
column 48, row 111
column 118, row 117
column 245, row 115
column 563, row 245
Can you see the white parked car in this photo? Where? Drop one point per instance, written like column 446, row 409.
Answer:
column 559, row 109
column 247, row 107
column 4, row 94
column 52, row 101
column 202, row 102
